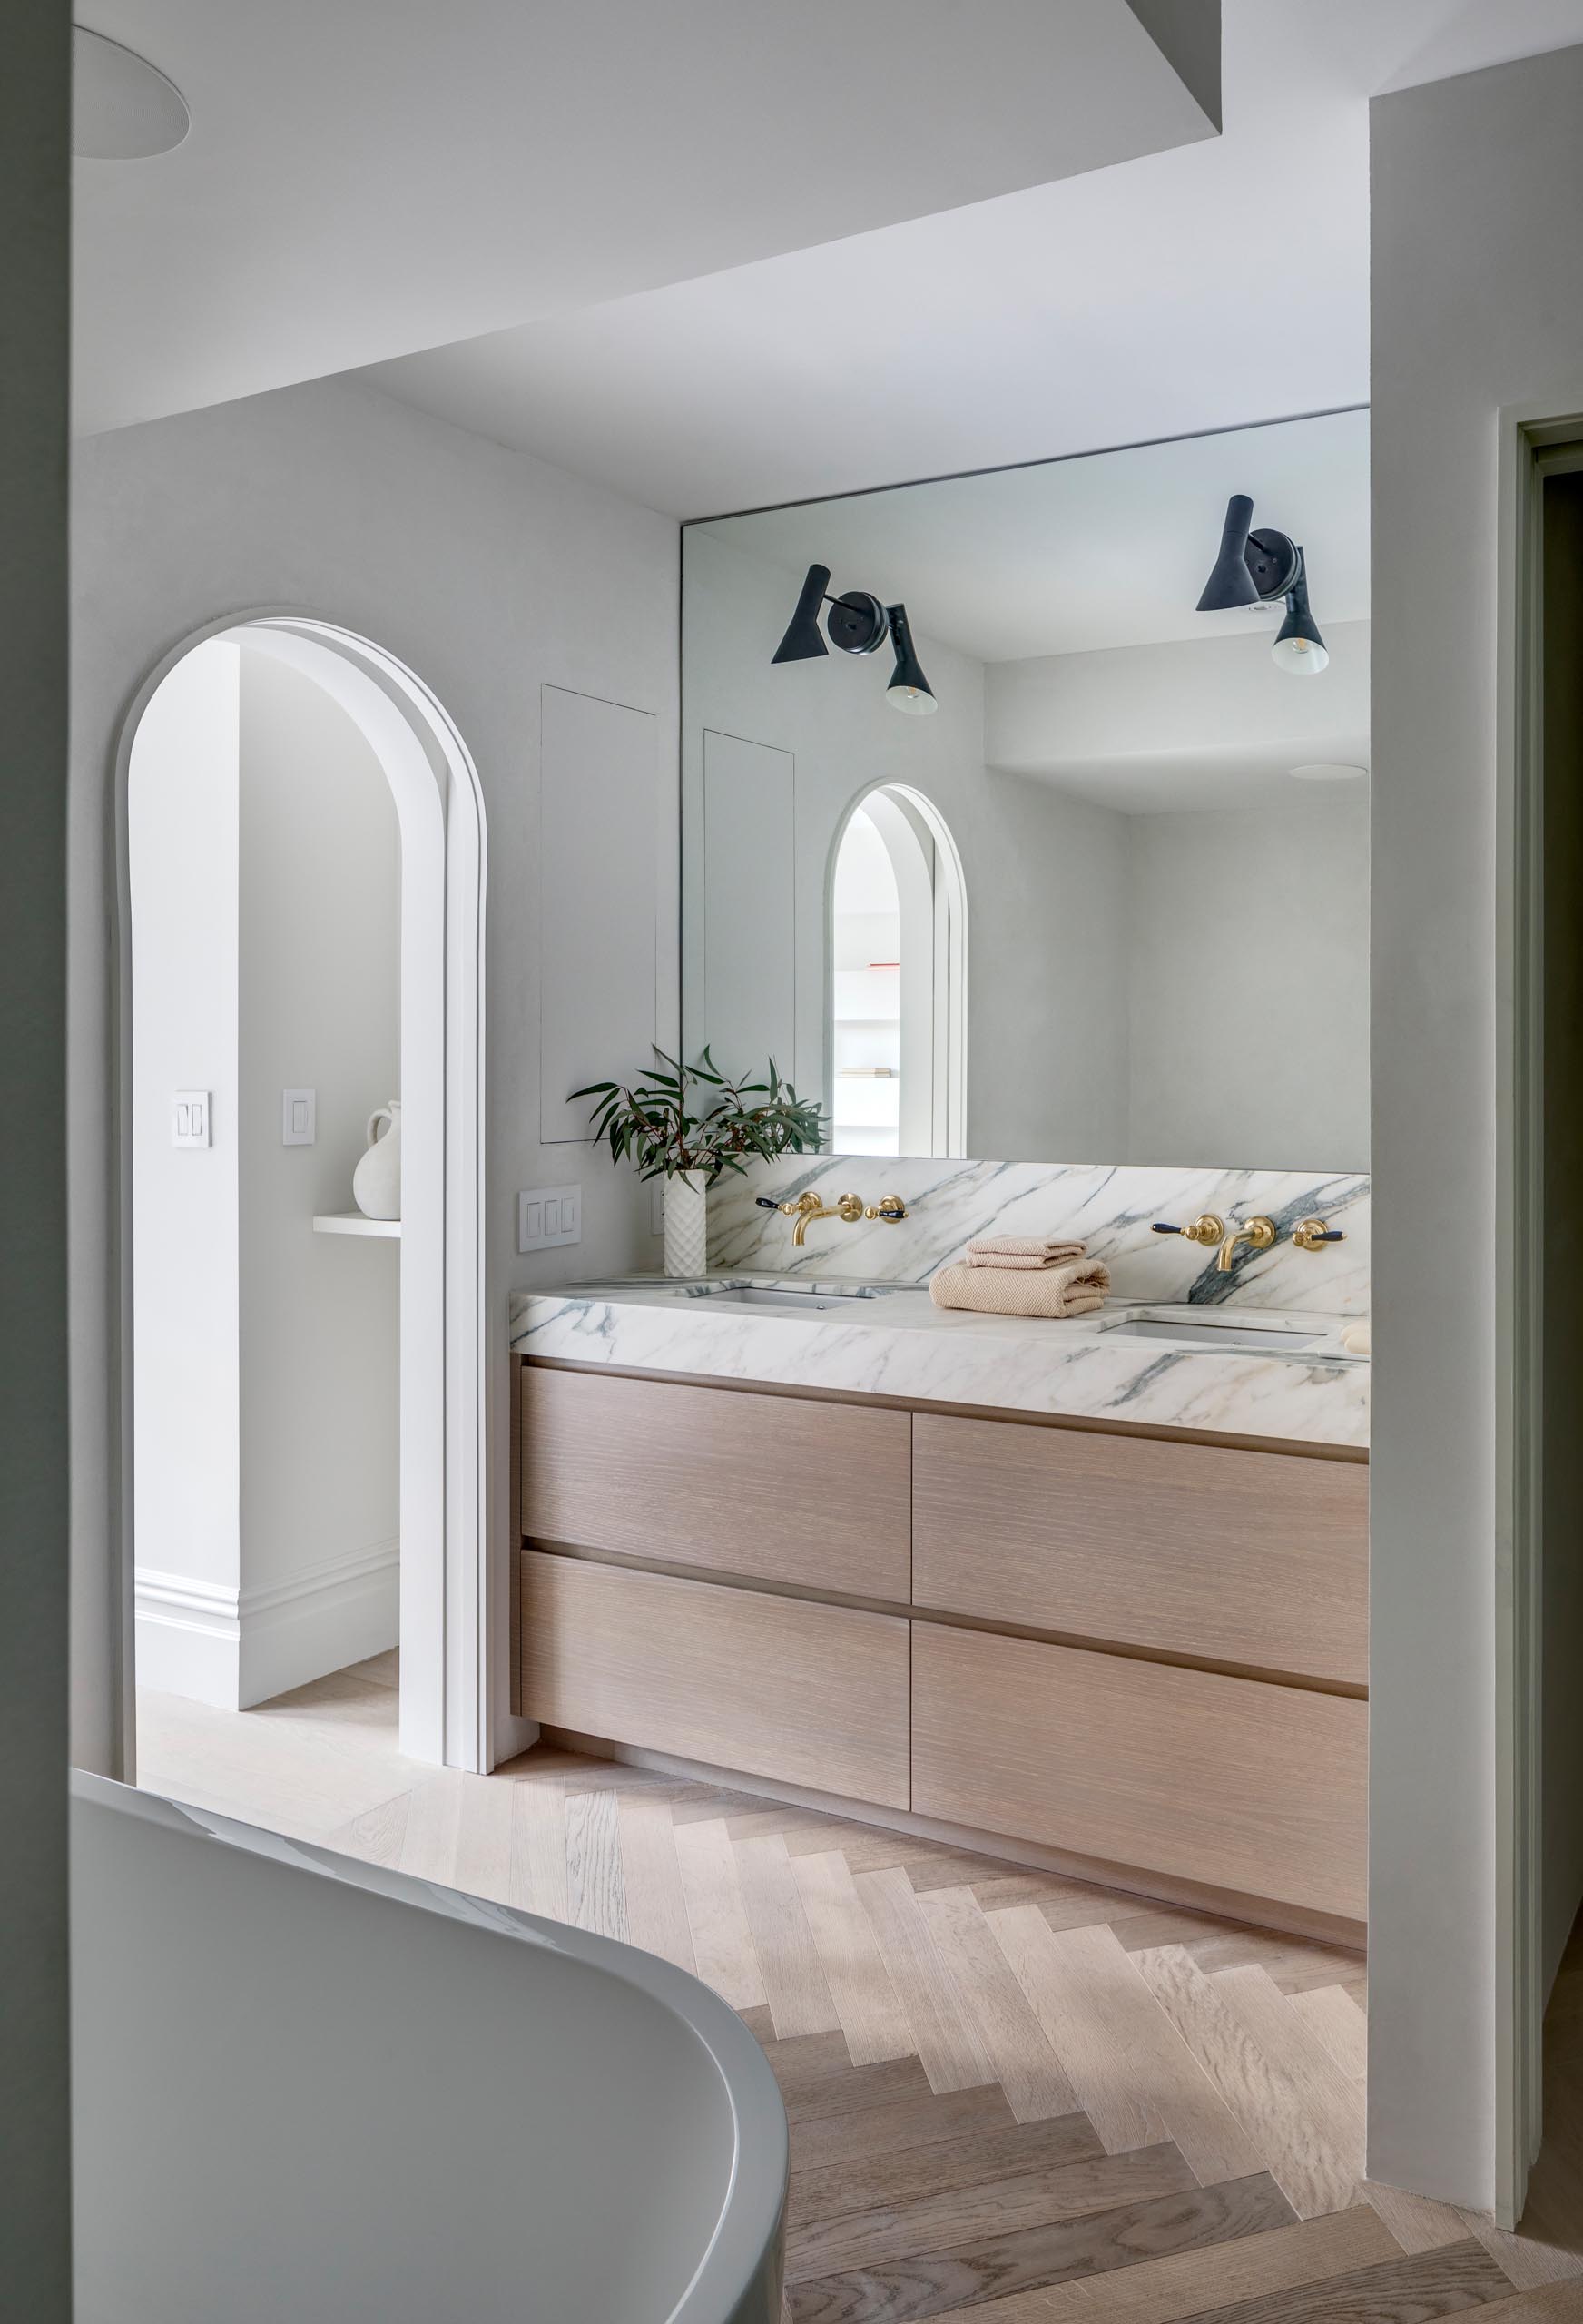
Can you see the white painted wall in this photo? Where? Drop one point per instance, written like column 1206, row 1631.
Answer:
column 1478, row 295
column 489, row 574
column 183, row 835
column 319, row 930
column 1134, row 723
column 1248, row 954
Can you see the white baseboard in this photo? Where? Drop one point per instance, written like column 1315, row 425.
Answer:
column 187, row 1638
column 234, row 1648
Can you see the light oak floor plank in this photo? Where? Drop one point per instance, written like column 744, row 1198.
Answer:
column 538, row 1850
column 1170, row 2082
column 966, row 2215
column 1025, row 2065
column 376, row 1835
column 871, row 2132
column 723, row 1943
column 1306, row 2122
column 947, row 2041
column 596, row 1894
column 1335, row 2020
column 651, row 1873
column 434, row 1823
column 794, row 1983
column 872, row 2019
column 484, row 1841
column 871, row 2182
column 1197, row 2283
column 940, row 2282
column 1079, row 2029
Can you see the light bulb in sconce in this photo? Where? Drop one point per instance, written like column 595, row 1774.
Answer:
column 1299, row 649
column 909, row 689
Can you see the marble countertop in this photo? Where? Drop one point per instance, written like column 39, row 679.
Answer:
column 898, row 1344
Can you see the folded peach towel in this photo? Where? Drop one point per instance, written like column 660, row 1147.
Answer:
column 1023, row 1251
column 1075, row 1289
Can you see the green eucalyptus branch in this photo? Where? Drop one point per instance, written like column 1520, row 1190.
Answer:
column 659, row 1123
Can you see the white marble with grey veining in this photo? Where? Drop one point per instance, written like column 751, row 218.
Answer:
column 900, row 1345
column 1110, row 1207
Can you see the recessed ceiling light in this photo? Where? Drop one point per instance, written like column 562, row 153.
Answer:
column 122, row 107
column 1323, row 771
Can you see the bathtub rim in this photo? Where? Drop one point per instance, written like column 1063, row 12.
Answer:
column 748, row 2225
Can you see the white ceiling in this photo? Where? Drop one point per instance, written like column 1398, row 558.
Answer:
column 1084, row 553
column 363, row 177
column 1220, row 282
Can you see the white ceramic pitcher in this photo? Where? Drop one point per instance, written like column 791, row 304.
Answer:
column 377, row 1180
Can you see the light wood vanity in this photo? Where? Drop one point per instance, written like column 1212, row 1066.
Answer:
column 1138, row 1654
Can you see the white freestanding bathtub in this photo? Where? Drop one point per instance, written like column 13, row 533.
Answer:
column 308, row 2091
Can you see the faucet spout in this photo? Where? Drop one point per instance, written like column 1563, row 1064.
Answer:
column 1257, row 1233
column 809, row 1206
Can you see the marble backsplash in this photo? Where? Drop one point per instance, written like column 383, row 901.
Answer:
column 1111, row 1208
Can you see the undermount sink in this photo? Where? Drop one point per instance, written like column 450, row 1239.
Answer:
column 1269, row 1339
column 756, row 1294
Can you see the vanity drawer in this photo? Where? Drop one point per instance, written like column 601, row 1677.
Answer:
column 1234, row 1783
column 1256, row 1559
column 776, row 1488
column 779, row 1687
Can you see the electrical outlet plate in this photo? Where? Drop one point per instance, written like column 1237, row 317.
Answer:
column 192, row 1118
column 299, row 1116
column 548, row 1217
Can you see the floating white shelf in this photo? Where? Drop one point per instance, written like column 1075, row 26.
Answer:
column 352, row 1222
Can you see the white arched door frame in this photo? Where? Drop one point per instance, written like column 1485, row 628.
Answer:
column 932, row 893
column 445, row 1697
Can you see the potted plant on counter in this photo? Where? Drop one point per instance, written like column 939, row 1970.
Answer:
column 688, row 1123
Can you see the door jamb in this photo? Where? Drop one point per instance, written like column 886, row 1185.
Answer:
column 1528, row 433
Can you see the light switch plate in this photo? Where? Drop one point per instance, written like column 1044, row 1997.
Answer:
column 548, row 1217
column 299, row 1116
column 192, row 1118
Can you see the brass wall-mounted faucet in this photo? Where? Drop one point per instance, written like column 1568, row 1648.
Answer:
column 1257, row 1233
column 851, row 1208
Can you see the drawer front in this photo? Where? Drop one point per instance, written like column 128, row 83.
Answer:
column 1231, row 1782
column 1256, row 1559
column 776, row 1488
column 815, row 1695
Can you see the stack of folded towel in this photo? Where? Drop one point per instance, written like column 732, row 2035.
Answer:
column 1023, row 1274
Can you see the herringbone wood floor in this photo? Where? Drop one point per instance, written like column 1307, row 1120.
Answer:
column 1012, row 2095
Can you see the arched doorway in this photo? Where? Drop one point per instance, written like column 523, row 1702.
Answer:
column 439, row 809
column 896, row 970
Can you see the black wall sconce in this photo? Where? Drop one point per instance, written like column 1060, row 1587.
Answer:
column 858, row 624
column 1255, row 569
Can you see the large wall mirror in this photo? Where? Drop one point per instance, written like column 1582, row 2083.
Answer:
column 1001, row 839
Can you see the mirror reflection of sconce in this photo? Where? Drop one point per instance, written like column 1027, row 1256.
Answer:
column 1255, row 569
column 858, row 624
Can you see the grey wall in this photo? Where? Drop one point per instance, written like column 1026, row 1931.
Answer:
column 34, row 2097
column 1249, row 991
column 1478, row 302
column 488, row 574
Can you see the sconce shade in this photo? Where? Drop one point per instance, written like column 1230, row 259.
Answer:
column 803, row 642
column 1231, row 584
column 909, row 689
column 1298, row 648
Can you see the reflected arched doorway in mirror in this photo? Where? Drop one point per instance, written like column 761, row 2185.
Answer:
column 897, row 979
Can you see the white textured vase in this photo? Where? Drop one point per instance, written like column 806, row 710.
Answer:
column 377, row 1180
column 687, row 1224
